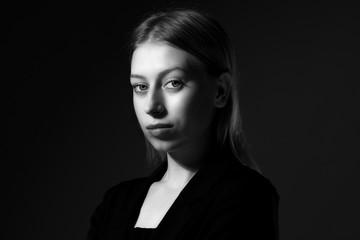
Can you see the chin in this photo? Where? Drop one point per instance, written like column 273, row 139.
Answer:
column 164, row 146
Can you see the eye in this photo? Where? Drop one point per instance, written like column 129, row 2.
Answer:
column 140, row 88
column 174, row 84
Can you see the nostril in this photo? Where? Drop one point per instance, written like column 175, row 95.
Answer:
column 155, row 109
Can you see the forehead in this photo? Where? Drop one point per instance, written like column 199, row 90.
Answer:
column 150, row 58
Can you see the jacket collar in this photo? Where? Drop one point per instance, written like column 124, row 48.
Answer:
column 180, row 211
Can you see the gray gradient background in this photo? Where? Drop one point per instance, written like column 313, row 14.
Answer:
column 72, row 132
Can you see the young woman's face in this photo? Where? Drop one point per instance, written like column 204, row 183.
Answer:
column 173, row 96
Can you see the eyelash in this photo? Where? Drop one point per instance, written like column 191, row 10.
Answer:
column 181, row 83
column 172, row 81
column 138, row 85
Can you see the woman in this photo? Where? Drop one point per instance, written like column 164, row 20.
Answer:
column 186, row 99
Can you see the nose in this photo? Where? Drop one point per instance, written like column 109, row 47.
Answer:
column 154, row 104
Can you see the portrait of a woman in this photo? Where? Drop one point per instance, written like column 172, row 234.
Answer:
column 187, row 120
column 186, row 98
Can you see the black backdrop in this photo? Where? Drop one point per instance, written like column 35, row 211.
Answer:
column 72, row 132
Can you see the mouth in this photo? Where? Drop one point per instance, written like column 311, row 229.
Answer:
column 158, row 126
column 161, row 131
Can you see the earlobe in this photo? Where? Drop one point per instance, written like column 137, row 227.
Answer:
column 223, row 84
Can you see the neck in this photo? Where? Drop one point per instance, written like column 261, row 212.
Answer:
column 177, row 175
column 183, row 165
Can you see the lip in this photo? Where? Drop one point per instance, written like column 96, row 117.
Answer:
column 161, row 131
column 158, row 126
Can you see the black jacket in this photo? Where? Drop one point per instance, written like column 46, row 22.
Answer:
column 224, row 200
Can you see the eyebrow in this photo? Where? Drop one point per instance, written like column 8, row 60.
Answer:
column 160, row 75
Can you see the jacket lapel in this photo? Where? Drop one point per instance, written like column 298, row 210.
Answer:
column 181, row 211
column 135, row 200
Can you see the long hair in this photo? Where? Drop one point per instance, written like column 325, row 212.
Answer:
column 204, row 38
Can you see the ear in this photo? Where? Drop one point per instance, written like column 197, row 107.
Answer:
column 223, row 85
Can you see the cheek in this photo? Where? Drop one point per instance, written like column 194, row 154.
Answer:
column 194, row 108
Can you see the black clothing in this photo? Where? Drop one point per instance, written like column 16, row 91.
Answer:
column 141, row 233
column 223, row 200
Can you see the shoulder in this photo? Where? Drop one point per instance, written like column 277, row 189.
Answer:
column 118, row 196
column 242, row 181
column 243, row 203
column 245, row 192
column 125, row 187
column 114, row 203
column 120, row 192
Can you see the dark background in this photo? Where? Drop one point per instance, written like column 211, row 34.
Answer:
column 72, row 132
